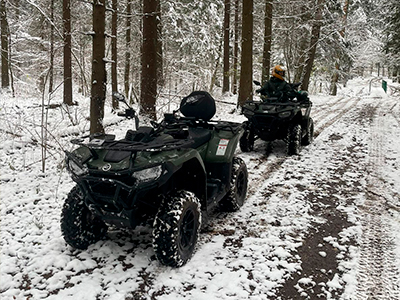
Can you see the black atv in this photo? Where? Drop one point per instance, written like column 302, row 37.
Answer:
column 172, row 175
column 277, row 118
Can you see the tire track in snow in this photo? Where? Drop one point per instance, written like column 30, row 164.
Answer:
column 334, row 104
column 334, row 114
column 394, row 114
column 331, row 105
column 266, row 170
column 324, row 116
column 378, row 273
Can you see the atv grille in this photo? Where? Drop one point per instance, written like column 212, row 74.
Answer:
column 263, row 121
column 108, row 195
column 104, row 189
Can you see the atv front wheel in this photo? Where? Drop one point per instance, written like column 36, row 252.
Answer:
column 246, row 142
column 308, row 138
column 79, row 227
column 238, row 186
column 294, row 139
column 176, row 228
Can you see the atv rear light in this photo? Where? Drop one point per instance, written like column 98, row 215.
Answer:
column 147, row 175
column 285, row 114
column 76, row 169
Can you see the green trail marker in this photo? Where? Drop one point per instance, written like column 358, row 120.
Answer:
column 384, row 85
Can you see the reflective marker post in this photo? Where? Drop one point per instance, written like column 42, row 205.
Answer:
column 384, row 85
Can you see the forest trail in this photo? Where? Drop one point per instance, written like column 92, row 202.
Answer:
column 378, row 274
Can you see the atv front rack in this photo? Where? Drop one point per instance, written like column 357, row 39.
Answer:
column 155, row 144
column 121, row 145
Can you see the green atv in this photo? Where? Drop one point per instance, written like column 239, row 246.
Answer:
column 172, row 175
column 277, row 118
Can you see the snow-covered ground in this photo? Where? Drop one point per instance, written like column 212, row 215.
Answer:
column 324, row 224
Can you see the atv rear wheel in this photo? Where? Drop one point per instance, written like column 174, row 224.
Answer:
column 294, row 139
column 79, row 227
column 308, row 138
column 246, row 142
column 176, row 228
column 238, row 186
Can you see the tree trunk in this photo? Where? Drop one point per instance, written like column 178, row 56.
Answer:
column 160, row 70
column 398, row 73
column 149, row 59
column 114, row 53
column 335, row 79
column 267, row 41
column 17, row 9
column 246, row 70
column 51, row 67
column 214, row 74
column 299, row 67
column 225, row 84
column 128, row 48
column 99, row 77
column 236, row 50
column 315, row 32
column 342, row 32
column 5, row 73
column 67, row 97
column 345, row 16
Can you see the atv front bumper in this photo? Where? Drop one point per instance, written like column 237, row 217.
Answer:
column 124, row 201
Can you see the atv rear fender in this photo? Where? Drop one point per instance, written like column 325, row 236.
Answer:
column 223, row 143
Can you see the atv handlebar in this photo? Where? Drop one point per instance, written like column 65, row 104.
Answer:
column 129, row 113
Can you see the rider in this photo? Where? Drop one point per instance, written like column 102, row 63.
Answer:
column 277, row 86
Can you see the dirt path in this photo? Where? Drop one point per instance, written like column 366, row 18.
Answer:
column 377, row 269
column 378, row 274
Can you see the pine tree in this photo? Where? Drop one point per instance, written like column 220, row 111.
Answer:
column 128, row 50
column 149, row 59
column 67, row 52
column 99, row 77
column 392, row 45
column 225, row 85
column 315, row 33
column 5, row 79
column 236, row 49
column 246, row 66
column 267, row 40
column 114, row 53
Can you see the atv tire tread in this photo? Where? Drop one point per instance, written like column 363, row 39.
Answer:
column 79, row 227
column 246, row 142
column 238, row 186
column 176, row 228
column 294, row 139
column 308, row 138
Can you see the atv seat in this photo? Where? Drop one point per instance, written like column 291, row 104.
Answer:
column 142, row 134
column 200, row 136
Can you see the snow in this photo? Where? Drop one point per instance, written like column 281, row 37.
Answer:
column 249, row 254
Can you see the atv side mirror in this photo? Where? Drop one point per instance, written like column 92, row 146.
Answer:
column 119, row 97
column 129, row 113
column 256, row 82
column 296, row 85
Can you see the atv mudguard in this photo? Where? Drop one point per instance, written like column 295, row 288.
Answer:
column 223, row 143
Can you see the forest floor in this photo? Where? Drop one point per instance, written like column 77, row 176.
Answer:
column 321, row 225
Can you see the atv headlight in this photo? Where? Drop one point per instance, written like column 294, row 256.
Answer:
column 76, row 169
column 285, row 114
column 148, row 174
